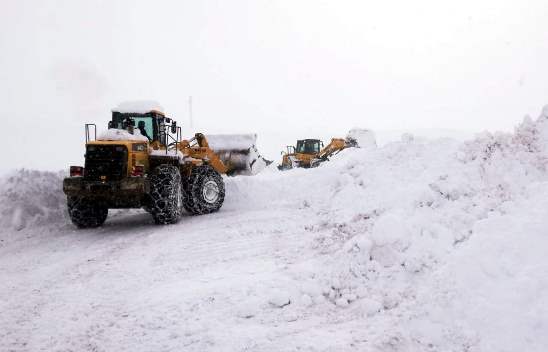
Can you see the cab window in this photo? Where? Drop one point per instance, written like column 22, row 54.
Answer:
column 308, row 147
column 144, row 125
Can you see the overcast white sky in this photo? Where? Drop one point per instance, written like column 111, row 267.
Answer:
column 279, row 68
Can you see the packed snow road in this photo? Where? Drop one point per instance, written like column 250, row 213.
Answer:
column 134, row 286
column 415, row 246
column 216, row 282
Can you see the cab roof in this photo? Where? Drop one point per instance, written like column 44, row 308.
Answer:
column 139, row 107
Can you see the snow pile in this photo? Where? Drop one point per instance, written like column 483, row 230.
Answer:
column 430, row 245
column 31, row 199
column 490, row 294
column 394, row 225
column 138, row 106
column 115, row 134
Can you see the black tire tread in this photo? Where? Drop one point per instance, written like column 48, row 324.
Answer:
column 86, row 213
column 193, row 201
column 165, row 190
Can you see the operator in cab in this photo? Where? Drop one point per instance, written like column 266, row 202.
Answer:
column 141, row 127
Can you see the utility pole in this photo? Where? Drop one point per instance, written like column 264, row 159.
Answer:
column 190, row 111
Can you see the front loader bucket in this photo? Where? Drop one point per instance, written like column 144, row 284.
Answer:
column 238, row 152
column 361, row 138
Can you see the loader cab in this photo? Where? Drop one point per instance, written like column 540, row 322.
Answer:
column 153, row 124
column 308, row 146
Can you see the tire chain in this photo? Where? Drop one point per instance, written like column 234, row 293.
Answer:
column 193, row 201
column 165, row 190
column 86, row 213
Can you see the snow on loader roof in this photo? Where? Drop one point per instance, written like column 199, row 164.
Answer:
column 138, row 106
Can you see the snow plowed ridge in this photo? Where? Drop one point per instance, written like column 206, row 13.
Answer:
column 30, row 198
column 416, row 246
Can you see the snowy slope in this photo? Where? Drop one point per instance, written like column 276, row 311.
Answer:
column 420, row 245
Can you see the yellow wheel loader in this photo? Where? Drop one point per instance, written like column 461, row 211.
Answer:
column 312, row 152
column 141, row 161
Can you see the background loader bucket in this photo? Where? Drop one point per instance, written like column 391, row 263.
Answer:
column 361, row 138
column 238, row 152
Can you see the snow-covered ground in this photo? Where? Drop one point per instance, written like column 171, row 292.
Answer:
column 419, row 245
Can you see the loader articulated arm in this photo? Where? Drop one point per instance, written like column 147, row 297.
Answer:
column 227, row 154
column 334, row 147
column 198, row 148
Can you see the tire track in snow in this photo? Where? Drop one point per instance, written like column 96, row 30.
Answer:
column 185, row 251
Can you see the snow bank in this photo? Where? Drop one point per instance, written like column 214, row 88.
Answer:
column 424, row 229
column 30, row 198
column 492, row 289
column 440, row 245
column 138, row 106
column 114, row 134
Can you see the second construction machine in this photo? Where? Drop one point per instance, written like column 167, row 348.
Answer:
column 312, row 152
column 141, row 161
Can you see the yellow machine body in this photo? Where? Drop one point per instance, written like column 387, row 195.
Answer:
column 138, row 152
column 118, row 163
column 311, row 152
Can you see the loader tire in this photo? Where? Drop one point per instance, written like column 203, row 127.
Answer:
column 204, row 191
column 86, row 213
column 165, row 194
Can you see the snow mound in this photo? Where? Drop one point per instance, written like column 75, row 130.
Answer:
column 403, row 224
column 138, row 106
column 432, row 240
column 30, row 198
column 114, row 134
